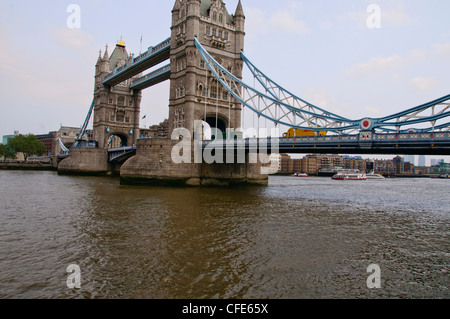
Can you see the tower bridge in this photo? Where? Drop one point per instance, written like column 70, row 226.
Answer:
column 206, row 62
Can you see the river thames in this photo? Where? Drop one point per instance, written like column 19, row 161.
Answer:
column 298, row 238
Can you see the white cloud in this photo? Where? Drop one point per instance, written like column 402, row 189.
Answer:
column 284, row 21
column 327, row 101
column 37, row 75
column 396, row 17
column 442, row 50
column 371, row 110
column 6, row 56
column 425, row 84
column 380, row 65
column 325, row 24
column 319, row 98
column 73, row 38
column 376, row 66
column 255, row 21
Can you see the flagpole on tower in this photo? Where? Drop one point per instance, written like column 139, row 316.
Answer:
column 145, row 118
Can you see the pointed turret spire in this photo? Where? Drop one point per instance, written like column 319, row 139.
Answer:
column 177, row 6
column 106, row 56
column 239, row 10
column 99, row 57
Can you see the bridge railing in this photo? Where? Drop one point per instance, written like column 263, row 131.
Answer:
column 110, row 75
column 412, row 136
column 143, row 55
column 152, row 50
column 163, row 45
column 374, row 137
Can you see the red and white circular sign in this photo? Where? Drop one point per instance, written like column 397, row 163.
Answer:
column 366, row 124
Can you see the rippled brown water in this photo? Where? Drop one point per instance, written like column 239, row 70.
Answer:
column 296, row 238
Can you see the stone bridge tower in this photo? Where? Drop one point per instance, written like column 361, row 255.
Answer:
column 194, row 92
column 117, row 108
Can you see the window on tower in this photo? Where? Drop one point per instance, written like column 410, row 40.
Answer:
column 225, row 95
column 120, row 117
column 213, row 93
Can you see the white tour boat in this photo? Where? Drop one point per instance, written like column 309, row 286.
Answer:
column 301, row 175
column 349, row 175
column 372, row 175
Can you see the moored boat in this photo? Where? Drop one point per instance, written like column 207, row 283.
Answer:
column 301, row 175
column 372, row 175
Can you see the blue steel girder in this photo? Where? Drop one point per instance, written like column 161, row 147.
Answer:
column 437, row 110
column 409, row 117
column 83, row 129
column 278, row 92
column 432, row 116
column 151, row 57
column 62, row 147
column 271, row 108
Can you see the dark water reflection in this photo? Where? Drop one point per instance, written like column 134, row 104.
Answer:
column 297, row 238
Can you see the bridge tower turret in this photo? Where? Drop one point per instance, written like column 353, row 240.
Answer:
column 239, row 18
column 117, row 108
column 194, row 93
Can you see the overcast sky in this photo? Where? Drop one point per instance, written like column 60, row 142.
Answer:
column 321, row 50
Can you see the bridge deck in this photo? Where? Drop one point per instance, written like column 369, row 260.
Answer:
column 384, row 144
column 153, row 56
column 121, row 154
column 153, row 78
